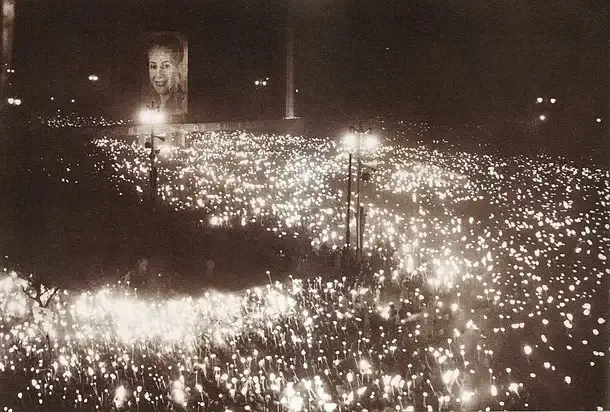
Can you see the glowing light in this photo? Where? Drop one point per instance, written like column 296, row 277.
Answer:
column 350, row 140
column 370, row 142
column 152, row 116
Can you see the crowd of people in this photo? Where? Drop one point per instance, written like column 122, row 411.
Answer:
column 483, row 288
column 74, row 119
column 309, row 344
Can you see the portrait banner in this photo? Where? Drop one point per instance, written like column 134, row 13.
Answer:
column 166, row 73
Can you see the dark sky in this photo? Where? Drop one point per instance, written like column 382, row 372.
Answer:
column 450, row 56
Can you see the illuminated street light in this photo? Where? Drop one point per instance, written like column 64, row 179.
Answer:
column 350, row 140
column 542, row 117
column 539, row 100
column 150, row 116
column 260, row 83
column 598, row 120
column 370, row 142
column 14, row 101
column 72, row 100
column 93, row 78
column 260, row 86
column 355, row 140
column 553, row 100
column 52, row 98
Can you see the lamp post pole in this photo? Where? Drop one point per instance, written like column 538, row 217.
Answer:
column 356, row 139
column 346, row 252
column 153, row 167
column 358, row 173
column 359, row 134
column 152, row 118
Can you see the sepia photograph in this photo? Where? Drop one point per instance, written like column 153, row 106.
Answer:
column 304, row 206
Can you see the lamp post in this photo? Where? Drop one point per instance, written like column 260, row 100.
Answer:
column 152, row 115
column 14, row 101
column 355, row 140
column 348, row 214
column 261, row 84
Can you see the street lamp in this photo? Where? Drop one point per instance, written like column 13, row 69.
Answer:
column 14, row 101
column 260, row 86
column 260, row 83
column 93, row 78
column 357, row 139
column 152, row 115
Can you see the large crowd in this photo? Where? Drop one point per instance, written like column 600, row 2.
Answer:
column 485, row 288
column 77, row 120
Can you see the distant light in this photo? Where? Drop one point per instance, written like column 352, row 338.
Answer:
column 296, row 90
column 553, row 100
column 257, row 82
column 72, row 101
column 527, row 349
column 598, row 120
column 11, row 100
column 52, row 98
column 93, row 77
column 539, row 100
column 17, row 102
column 264, row 82
column 542, row 117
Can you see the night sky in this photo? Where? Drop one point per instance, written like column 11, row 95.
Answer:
column 434, row 57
